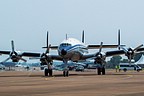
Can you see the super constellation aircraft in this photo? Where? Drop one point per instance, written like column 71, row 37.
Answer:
column 74, row 50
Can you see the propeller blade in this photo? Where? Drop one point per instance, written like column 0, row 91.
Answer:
column 138, row 47
column 12, row 44
column 20, row 58
column 46, row 62
column 23, row 59
column 101, row 47
column 7, row 59
column 83, row 37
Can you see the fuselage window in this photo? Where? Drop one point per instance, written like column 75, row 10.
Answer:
column 65, row 44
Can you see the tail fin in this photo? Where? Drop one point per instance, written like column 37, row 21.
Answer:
column 119, row 43
column 47, row 51
column 83, row 37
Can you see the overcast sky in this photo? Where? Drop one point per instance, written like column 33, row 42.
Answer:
column 27, row 21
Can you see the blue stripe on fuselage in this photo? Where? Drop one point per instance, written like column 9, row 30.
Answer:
column 78, row 46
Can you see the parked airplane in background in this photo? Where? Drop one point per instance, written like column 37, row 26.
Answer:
column 74, row 50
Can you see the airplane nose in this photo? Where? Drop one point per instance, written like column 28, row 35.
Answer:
column 63, row 52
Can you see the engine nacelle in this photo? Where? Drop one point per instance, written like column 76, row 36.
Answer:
column 130, row 53
column 45, row 59
column 100, row 58
column 15, row 58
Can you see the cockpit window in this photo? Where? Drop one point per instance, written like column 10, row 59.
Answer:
column 65, row 44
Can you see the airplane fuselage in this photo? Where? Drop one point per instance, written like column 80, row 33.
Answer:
column 72, row 49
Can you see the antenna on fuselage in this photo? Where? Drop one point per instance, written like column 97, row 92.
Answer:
column 83, row 36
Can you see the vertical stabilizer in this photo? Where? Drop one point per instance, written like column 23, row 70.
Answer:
column 47, row 51
column 119, row 46
column 83, row 36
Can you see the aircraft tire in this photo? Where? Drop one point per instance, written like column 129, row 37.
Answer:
column 103, row 71
column 99, row 71
column 50, row 72
column 65, row 73
column 46, row 71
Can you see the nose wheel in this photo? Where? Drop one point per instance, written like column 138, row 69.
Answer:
column 66, row 73
column 66, row 69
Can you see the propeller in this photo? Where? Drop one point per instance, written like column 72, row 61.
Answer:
column 100, row 57
column 14, row 55
column 130, row 52
column 44, row 57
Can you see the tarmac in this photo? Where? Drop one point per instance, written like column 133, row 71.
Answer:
column 34, row 83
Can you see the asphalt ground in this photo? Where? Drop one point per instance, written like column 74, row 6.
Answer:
column 33, row 83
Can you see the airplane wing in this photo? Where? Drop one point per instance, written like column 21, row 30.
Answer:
column 5, row 52
column 107, row 54
column 53, row 57
column 29, row 54
column 120, row 52
column 111, row 53
column 140, row 49
column 52, row 47
column 104, row 46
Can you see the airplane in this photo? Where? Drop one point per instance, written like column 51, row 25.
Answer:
column 16, row 56
column 74, row 50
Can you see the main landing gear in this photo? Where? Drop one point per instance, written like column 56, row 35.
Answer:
column 48, row 72
column 101, row 70
column 66, row 73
